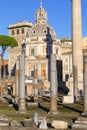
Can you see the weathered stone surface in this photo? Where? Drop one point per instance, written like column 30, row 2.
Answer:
column 84, row 119
column 28, row 122
column 43, row 124
column 3, row 124
column 3, row 118
column 68, row 99
column 59, row 124
column 79, row 126
column 15, row 123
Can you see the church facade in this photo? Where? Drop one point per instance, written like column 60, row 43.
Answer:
column 41, row 41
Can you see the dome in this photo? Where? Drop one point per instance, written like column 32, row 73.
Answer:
column 40, row 30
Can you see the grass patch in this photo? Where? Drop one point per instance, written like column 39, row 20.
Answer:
column 66, row 112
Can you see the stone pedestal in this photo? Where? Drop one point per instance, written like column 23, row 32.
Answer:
column 70, row 97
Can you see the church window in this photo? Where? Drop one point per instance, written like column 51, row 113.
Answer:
column 17, row 31
column 57, row 51
column 22, row 30
column 45, row 31
column 32, row 52
column 66, row 67
column 12, row 32
column 32, row 73
column 34, row 31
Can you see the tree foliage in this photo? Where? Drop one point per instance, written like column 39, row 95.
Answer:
column 7, row 41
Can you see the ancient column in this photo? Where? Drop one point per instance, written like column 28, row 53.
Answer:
column 77, row 56
column 53, row 84
column 0, row 80
column 35, row 82
column 22, row 105
column 81, row 122
column 17, row 79
column 85, row 82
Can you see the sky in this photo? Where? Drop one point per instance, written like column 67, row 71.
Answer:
column 59, row 14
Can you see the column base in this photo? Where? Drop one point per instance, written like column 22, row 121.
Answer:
column 53, row 112
column 35, row 98
column 22, row 111
column 22, row 106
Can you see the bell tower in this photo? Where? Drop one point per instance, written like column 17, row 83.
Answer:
column 41, row 15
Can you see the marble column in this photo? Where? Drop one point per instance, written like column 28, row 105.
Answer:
column 77, row 56
column 17, row 79
column 35, row 82
column 53, row 84
column 85, row 82
column 22, row 105
column 81, row 122
column 0, row 80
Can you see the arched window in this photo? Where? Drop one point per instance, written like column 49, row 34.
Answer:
column 57, row 50
column 22, row 30
column 17, row 31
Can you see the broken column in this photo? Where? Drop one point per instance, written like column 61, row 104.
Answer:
column 77, row 55
column 53, row 84
column 35, row 82
column 22, row 105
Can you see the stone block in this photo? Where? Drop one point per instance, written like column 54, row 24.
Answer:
column 15, row 123
column 43, row 124
column 68, row 99
column 28, row 122
column 57, row 124
column 3, row 124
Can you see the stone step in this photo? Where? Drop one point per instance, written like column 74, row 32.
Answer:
column 79, row 126
column 3, row 124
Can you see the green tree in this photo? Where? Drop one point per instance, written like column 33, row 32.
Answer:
column 5, row 42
